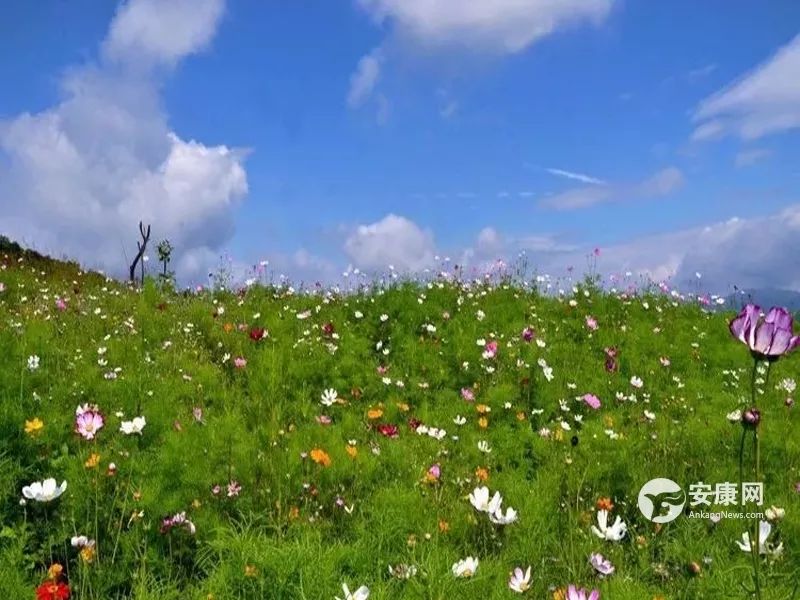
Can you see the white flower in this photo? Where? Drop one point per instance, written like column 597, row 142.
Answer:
column 650, row 416
column 361, row 593
column 636, row 381
column 465, row 567
column 459, row 420
column 359, row 315
column 614, row 533
column 44, row 491
column 498, row 518
column 484, row 446
column 479, row 498
column 519, row 580
column 764, row 529
column 33, row 362
column 774, row 513
column 81, row 541
column 329, row 397
column 136, row 425
column 734, row 416
column 384, row 318
column 402, row 571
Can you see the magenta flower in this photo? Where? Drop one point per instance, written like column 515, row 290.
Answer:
column 490, row 350
column 233, row 489
column 591, row 323
column 467, row 394
column 592, row 401
column 88, row 421
column 574, row 593
column 770, row 337
column 528, row 334
column 240, row 362
column 434, row 472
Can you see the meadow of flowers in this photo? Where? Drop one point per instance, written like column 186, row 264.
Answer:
column 442, row 438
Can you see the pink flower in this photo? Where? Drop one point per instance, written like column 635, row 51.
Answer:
column 592, row 401
column 61, row 304
column 467, row 394
column 490, row 349
column 216, row 490
column 88, row 421
column 324, row 420
column 591, row 323
column 574, row 593
column 233, row 489
column 434, row 472
column 240, row 362
column 601, row 564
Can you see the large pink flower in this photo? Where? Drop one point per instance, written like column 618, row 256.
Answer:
column 88, row 421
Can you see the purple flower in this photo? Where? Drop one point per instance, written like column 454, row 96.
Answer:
column 601, row 564
column 770, row 337
column 751, row 417
column 527, row 334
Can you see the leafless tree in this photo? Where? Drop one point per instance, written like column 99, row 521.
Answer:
column 145, row 233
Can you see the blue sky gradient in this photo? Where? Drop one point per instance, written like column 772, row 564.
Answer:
column 470, row 142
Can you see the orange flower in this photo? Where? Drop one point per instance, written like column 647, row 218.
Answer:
column 559, row 594
column 294, row 513
column 521, row 416
column 482, row 409
column 483, row 422
column 92, row 461
column 321, row 457
column 228, row 327
column 374, row 413
column 604, row 503
column 352, row 451
column 87, row 554
column 482, row 473
column 444, row 526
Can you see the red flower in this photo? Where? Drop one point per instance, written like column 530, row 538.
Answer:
column 389, row 430
column 258, row 334
column 50, row 590
column 328, row 329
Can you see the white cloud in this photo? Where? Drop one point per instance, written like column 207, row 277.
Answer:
column 394, row 240
column 79, row 176
column 660, row 184
column 158, row 32
column 365, row 78
column 576, row 176
column 502, row 26
column 764, row 101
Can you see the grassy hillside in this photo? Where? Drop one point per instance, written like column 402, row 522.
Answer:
column 287, row 497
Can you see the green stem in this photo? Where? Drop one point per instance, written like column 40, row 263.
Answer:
column 754, row 536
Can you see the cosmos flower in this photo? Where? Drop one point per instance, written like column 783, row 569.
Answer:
column 591, row 323
column 575, row 593
column 601, row 564
column 527, row 334
column 361, row 593
column 53, row 590
column 770, row 337
column 44, row 491
column 479, row 498
column 592, row 401
column 466, row 567
column 520, row 581
column 136, row 425
column 764, row 545
column 329, row 397
column 498, row 518
column 402, row 571
column 88, row 421
column 613, row 533
column 33, row 362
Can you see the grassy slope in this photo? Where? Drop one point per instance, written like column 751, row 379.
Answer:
column 284, row 537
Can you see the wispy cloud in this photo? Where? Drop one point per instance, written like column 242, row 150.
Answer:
column 660, row 184
column 576, row 176
column 747, row 158
column 764, row 101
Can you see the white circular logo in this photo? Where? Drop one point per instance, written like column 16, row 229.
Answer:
column 661, row 500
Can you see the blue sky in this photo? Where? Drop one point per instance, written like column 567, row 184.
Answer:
column 332, row 134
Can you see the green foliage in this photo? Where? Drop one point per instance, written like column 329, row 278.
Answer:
column 299, row 528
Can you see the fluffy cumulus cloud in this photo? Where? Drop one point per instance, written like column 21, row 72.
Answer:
column 76, row 178
column 491, row 26
column 393, row 241
column 660, row 184
column 764, row 101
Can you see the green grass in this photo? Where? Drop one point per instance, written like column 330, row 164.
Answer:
column 284, row 536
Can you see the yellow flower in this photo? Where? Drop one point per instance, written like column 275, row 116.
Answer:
column 483, row 422
column 374, row 413
column 34, row 426
column 55, row 570
column 608, row 421
column 482, row 409
column 482, row 473
column 403, row 407
column 521, row 416
column 444, row 526
column 321, row 457
column 92, row 461
column 250, row 571
column 87, row 554
column 294, row 513
column 352, row 451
